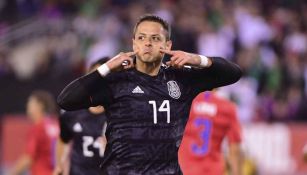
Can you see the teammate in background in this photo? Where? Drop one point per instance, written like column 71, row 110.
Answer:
column 82, row 138
column 212, row 119
column 147, row 104
column 40, row 146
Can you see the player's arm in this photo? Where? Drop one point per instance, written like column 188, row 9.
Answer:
column 210, row 72
column 103, row 140
column 62, row 152
column 63, row 143
column 25, row 161
column 22, row 164
column 234, row 141
column 84, row 92
column 235, row 159
column 220, row 73
column 92, row 89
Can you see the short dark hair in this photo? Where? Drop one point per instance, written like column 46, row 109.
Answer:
column 157, row 19
column 47, row 100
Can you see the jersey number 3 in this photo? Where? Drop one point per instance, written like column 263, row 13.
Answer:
column 204, row 134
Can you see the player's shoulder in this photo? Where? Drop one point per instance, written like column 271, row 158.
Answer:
column 173, row 73
column 215, row 97
column 120, row 76
column 224, row 102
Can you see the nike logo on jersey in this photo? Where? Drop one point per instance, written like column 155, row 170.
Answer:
column 137, row 90
column 77, row 127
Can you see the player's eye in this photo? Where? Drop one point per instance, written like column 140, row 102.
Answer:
column 156, row 38
column 141, row 38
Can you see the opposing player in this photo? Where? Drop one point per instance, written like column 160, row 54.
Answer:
column 39, row 154
column 82, row 138
column 147, row 104
column 212, row 119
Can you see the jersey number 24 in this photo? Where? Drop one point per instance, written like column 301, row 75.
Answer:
column 88, row 141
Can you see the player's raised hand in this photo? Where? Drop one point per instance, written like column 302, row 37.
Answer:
column 121, row 61
column 180, row 58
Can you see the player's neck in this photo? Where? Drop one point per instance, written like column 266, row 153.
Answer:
column 96, row 110
column 151, row 69
column 37, row 118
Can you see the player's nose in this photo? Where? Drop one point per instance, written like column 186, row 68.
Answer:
column 148, row 42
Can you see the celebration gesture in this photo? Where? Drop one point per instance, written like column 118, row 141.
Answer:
column 149, row 98
column 121, row 61
column 180, row 58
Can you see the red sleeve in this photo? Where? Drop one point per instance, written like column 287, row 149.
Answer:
column 234, row 132
column 32, row 142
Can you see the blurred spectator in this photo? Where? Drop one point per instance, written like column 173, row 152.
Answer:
column 29, row 57
column 252, row 27
column 244, row 94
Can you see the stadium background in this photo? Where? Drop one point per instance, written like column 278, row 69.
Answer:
column 47, row 43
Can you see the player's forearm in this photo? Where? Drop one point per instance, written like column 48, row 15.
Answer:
column 235, row 167
column 223, row 72
column 60, row 147
column 22, row 164
column 61, row 157
column 74, row 97
column 235, row 159
column 199, row 61
column 81, row 93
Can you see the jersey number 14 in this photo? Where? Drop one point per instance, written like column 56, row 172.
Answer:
column 164, row 107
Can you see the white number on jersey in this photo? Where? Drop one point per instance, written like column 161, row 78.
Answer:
column 88, row 141
column 164, row 107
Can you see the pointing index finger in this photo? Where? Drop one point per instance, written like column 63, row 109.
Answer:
column 131, row 53
column 167, row 51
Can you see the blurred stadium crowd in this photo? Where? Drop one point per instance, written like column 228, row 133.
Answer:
column 48, row 43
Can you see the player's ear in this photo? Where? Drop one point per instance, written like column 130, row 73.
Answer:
column 134, row 47
column 168, row 45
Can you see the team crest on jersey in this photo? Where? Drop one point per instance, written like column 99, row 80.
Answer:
column 173, row 89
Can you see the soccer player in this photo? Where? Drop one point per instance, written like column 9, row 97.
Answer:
column 84, row 129
column 147, row 104
column 39, row 154
column 212, row 118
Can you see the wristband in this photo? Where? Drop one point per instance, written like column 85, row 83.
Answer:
column 103, row 70
column 204, row 61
